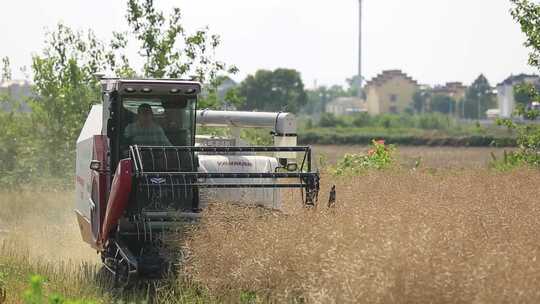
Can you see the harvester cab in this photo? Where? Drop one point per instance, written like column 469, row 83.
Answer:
column 142, row 169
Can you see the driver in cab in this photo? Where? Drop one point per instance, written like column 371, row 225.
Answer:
column 144, row 131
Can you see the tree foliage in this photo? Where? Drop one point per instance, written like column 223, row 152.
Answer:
column 443, row 104
column 65, row 85
column 6, row 70
column 420, row 100
column 278, row 90
column 524, row 94
column 353, row 83
column 319, row 97
column 478, row 99
column 527, row 14
column 168, row 50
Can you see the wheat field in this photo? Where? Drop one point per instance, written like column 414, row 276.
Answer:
column 456, row 235
column 394, row 237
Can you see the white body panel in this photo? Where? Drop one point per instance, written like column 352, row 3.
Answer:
column 268, row 198
column 85, row 148
column 284, row 123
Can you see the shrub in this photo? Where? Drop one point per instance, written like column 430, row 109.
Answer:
column 513, row 159
column 328, row 120
column 528, row 141
column 379, row 156
column 361, row 120
column 432, row 122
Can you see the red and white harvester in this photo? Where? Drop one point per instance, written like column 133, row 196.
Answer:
column 129, row 195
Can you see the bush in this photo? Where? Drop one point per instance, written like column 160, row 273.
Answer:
column 514, row 159
column 329, row 120
column 379, row 156
column 528, row 141
column 431, row 122
column 361, row 120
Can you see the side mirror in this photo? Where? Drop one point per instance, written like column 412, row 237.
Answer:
column 95, row 165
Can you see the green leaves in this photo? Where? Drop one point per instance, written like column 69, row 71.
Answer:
column 478, row 99
column 278, row 90
column 525, row 93
column 168, row 50
column 65, row 86
column 527, row 14
column 6, row 70
column 379, row 156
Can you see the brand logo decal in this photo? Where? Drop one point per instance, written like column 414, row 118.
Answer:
column 233, row 163
column 157, row 180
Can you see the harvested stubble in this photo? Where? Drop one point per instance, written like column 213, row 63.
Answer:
column 394, row 237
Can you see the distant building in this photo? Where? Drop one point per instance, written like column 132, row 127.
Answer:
column 454, row 90
column 390, row 92
column 345, row 106
column 505, row 92
column 16, row 90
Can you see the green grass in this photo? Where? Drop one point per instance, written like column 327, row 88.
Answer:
column 28, row 280
column 78, row 281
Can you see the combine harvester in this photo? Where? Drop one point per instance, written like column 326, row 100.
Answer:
column 141, row 170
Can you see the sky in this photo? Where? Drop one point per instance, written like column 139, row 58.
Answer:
column 433, row 41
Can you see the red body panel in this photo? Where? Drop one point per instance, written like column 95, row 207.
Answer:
column 100, row 154
column 100, row 182
column 118, row 198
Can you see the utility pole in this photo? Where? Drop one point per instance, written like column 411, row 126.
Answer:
column 360, row 80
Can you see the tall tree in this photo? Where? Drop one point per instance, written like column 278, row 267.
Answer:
column 353, row 83
column 420, row 100
column 527, row 14
column 443, row 104
column 478, row 99
column 6, row 69
column 319, row 97
column 65, row 85
column 168, row 50
column 524, row 94
column 278, row 90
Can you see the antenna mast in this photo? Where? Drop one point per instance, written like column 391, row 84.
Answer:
column 360, row 79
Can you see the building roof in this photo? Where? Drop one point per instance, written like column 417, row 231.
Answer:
column 455, row 85
column 513, row 79
column 449, row 87
column 388, row 75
